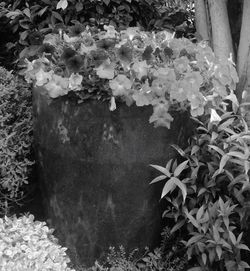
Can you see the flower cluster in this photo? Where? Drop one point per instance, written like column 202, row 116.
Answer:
column 26, row 244
column 138, row 67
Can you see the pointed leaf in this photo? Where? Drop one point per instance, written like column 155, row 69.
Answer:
column 162, row 170
column 180, row 151
column 232, row 237
column 221, row 152
column 191, row 219
column 183, row 188
column 200, row 213
column 243, row 246
column 223, row 162
column 177, row 226
column 218, row 251
column 194, row 239
column 158, row 179
column 180, row 168
column 238, row 155
column 169, row 186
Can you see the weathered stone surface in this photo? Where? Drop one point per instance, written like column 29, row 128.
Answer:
column 94, row 171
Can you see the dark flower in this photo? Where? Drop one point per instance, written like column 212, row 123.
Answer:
column 76, row 30
column 68, row 53
column 147, row 54
column 168, row 52
column 74, row 63
column 98, row 57
column 105, row 44
column 124, row 53
column 47, row 48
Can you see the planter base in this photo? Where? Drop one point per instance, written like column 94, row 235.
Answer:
column 94, row 172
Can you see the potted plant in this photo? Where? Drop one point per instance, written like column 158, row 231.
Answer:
column 96, row 96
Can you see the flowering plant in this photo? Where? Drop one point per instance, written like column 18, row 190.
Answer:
column 138, row 67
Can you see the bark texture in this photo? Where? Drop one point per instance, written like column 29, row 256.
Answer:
column 243, row 50
column 222, row 39
column 201, row 19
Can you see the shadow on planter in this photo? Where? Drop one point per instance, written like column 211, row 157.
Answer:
column 93, row 166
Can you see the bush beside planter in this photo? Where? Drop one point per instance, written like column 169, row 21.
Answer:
column 94, row 171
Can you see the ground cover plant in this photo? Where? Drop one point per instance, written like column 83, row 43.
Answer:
column 15, row 138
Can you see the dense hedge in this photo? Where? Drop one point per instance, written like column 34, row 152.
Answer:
column 15, row 137
column 29, row 245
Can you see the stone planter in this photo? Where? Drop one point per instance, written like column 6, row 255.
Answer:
column 93, row 166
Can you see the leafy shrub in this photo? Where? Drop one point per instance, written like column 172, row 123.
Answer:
column 32, row 19
column 15, row 136
column 208, row 191
column 29, row 245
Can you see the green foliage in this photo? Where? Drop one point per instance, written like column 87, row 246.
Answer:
column 15, row 136
column 208, row 191
column 136, row 66
column 32, row 19
column 29, row 245
column 171, row 256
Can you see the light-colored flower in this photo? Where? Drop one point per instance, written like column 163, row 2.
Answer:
column 43, row 77
column 57, row 86
column 110, row 32
column 141, row 68
column 106, row 70
column 75, row 81
column 120, row 85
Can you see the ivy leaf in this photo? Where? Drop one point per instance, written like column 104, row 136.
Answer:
column 62, row 4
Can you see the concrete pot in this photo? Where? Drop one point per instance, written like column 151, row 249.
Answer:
column 93, row 167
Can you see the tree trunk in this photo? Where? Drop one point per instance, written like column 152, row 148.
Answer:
column 243, row 62
column 201, row 20
column 222, row 39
